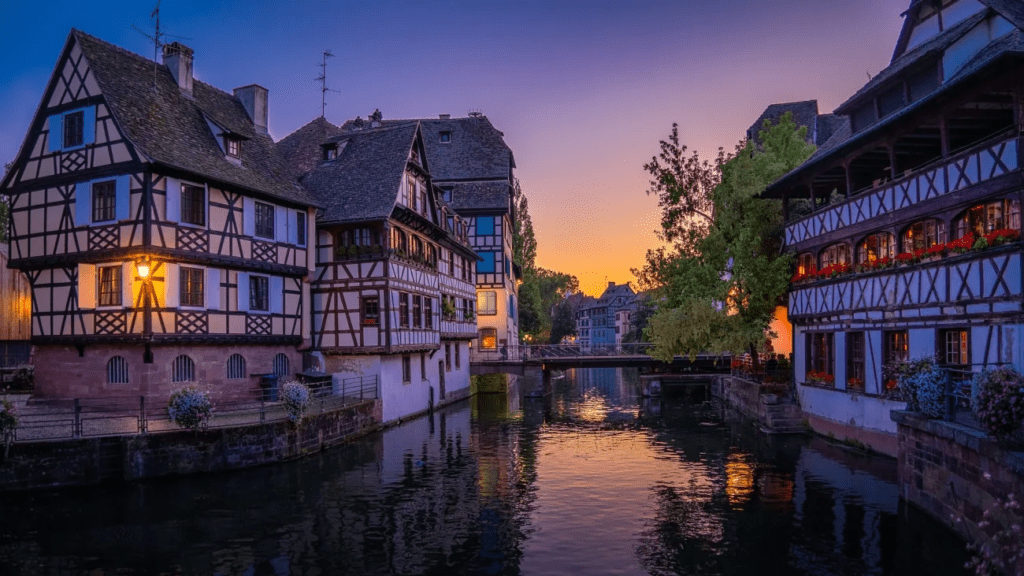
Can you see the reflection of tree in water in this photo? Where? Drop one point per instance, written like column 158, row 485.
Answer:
column 686, row 534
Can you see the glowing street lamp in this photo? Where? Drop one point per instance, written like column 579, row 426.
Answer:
column 143, row 265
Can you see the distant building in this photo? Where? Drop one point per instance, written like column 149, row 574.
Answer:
column 596, row 319
column 820, row 127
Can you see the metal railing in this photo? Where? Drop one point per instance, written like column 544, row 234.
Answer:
column 56, row 419
column 539, row 351
column 769, row 370
column 958, row 392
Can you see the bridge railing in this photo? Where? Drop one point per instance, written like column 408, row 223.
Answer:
column 541, row 351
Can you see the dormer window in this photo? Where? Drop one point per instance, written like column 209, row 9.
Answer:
column 416, row 156
column 232, row 146
column 445, row 138
column 330, row 151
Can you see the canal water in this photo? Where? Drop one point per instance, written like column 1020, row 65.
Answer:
column 589, row 480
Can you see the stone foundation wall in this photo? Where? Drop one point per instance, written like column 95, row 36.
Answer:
column 125, row 458
column 947, row 469
column 744, row 396
column 61, row 373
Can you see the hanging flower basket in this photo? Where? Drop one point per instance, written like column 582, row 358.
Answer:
column 190, row 408
column 997, row 397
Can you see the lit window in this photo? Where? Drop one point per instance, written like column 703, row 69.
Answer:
column 487, row 302
column 876, row 247
column 488, row 339
column 110, row 286
column 233, row 146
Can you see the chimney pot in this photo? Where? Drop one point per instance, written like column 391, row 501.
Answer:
column 254, row 99
column 376, row 118
column 611, row 284
column 178, row 59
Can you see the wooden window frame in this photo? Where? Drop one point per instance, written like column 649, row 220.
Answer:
column 895, row 346
column 259, row 293
column 406, row 369
column 448, row 357
column 104, row 201
column 428, row 312
column 109, row 291
column 885, row 247
column 300, row 228
column 417, row 311
column 946, row 341
column 264, row 226
column 232, row 147
column 191, row 293
column 403, row 310
column 193, row 205
column 73, row 129
column 369, row 310
column 117, row 370
column 485, row 310
column 855, row 365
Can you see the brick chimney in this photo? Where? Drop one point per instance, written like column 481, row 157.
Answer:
column 178, row 59
column 254, row 99
column 376, row 118
column 444, row 116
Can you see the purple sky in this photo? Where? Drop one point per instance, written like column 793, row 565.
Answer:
column 582, row 90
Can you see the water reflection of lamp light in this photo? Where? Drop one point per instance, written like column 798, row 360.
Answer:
column 143, row 265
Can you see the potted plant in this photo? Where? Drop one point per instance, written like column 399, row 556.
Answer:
column 447, row 309
column 295, row 396
column 925, row 387
column 997, row 397
column 855, row 384
column 190, row 408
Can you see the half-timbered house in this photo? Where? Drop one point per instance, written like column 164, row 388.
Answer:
column 907, row 232
column 393, row 289
column 163, row 240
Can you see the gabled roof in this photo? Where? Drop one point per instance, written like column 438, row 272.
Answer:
column 476, row 162
column 301, row 150
column 166, row 127
column 362, row 183
column 933, row 47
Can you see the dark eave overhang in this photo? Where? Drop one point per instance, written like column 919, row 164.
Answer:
column 864, row 137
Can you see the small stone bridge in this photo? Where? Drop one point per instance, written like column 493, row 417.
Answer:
column 555, row 357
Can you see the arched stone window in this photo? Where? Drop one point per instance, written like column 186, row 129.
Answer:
column 923, row 234
column 236, row 367
column 838, row 253
column 281, row 364
column 183, row 369
column 984, row 218
column 117, row 370
column 875, row 247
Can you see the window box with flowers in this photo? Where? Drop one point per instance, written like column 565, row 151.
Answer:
column 821, row 377
column 855, row 384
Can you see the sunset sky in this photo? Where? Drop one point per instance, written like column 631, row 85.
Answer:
column 582, row 90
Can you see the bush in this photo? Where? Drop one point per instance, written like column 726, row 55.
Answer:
column 190, row 408
column 997, row 396
column 926, row 389
column 895, row 375
column 296, row 400
column 8, row 419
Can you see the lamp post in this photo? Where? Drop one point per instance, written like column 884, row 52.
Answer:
column 144, row 266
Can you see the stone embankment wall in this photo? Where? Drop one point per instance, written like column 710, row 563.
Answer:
column 740, row 394
column 951, row 471
column 126, row 458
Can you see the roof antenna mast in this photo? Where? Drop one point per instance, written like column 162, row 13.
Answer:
column 157, row 37
column 322, row 79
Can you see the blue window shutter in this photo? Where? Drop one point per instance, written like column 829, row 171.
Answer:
column 281, row 224
column 484, row 225
column 276, row 294
column 123, row 196
column 89, row 125
column 213, row 288
column 293, row 227
column 243, row 291
column 508, row 267
column 56, row 132
column 249, row 217
column 173, row 192
column 487, row 264
column 83, row 203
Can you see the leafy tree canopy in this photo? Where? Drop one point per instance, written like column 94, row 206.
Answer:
column 725, row 272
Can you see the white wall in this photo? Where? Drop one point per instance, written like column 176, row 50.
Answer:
column 850, row 409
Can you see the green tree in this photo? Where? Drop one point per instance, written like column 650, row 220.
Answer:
column 524, row 242
column 721, row 290
column 564, row 322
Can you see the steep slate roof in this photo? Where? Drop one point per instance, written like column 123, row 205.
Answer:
column 476, row 162
column 168, row 128
column 301, row 150
column 804, row 114
column 362, row 183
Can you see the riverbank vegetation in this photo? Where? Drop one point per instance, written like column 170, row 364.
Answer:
column 723, row 272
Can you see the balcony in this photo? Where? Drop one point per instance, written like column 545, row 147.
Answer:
column 980, row 163
column 984, row 281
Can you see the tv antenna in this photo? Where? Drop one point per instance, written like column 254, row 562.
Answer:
column 322, row 79
column 157, row 36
